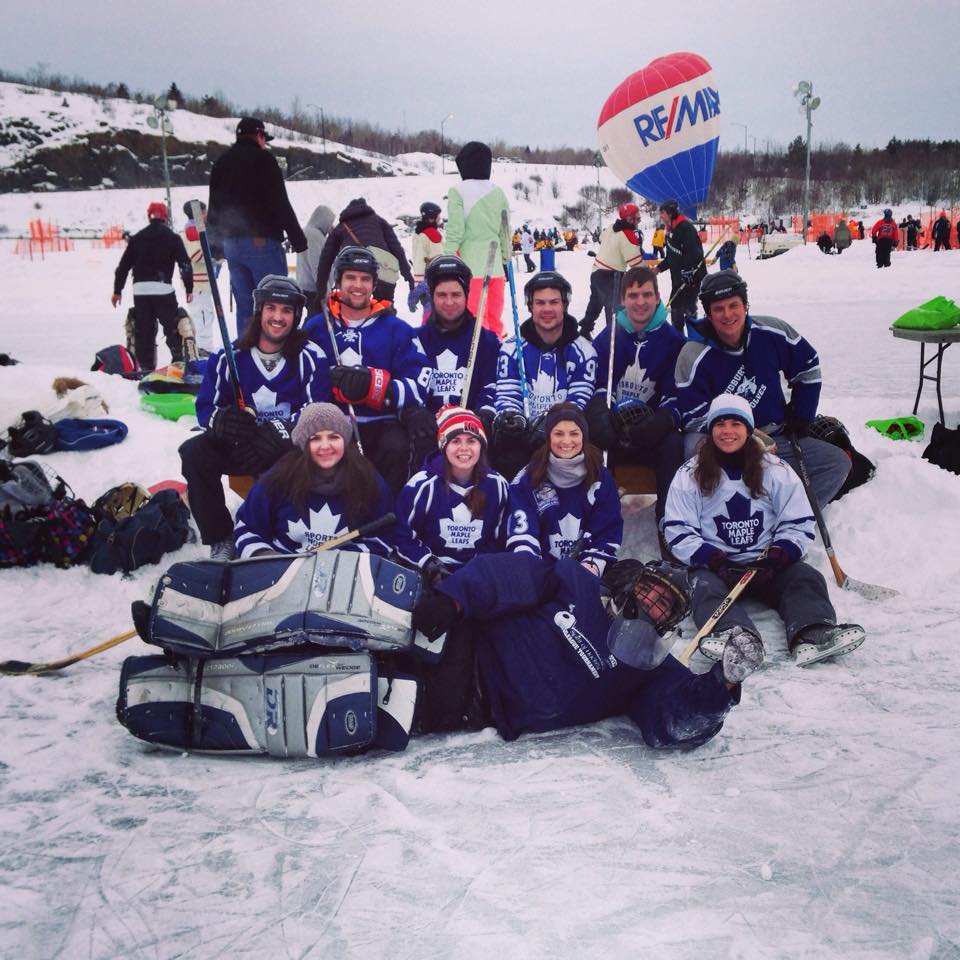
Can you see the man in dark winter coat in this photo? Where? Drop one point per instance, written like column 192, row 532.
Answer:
column 547, row 656
column 361, row 226
column 249, row 215
column 913, row 227
column 151, row 254
column 684, row 260
column 941, row 233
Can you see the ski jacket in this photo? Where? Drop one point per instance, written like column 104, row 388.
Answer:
column 448, row 353
column 727, row 255
column 643, row 363
column 441, row 521
column 384, row 341
column 267, row 521
column 427, row 244
column 544, row 663
column 619, row 248
column 706, row 368
column 248, row 198
column 361, row 226
column 475, row 217
column 887, row 230
column 550, row 521
column 152, row 254
column 734, row 522
column 526, row 242
column 277, row 394
column 316, row 231
column 659, row 238
column 684, row 252
column 941, row 229
column 565, row 371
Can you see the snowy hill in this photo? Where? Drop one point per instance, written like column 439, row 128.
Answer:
column 816, row 825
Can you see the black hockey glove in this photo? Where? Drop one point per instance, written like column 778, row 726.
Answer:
column 435, row 614
column 434, row 570
column 486, row 417
column 720, row 564
column 537, row 432
column 420, row 424
column 770, row 566
column 231, row 426
column 686, row 276
column 650, row 431
column 795, row 426
column 601, row 423
column 270, row 442
column 366, row 385
column 509, row 425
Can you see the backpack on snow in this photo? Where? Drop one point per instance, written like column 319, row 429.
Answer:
column 117, row 359
column 77, row 434
column 944, row 448
column 160, row 525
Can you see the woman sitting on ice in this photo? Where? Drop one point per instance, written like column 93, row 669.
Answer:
column 565, row 502
column 455, row 505
column 318, row 491
column 734, row 506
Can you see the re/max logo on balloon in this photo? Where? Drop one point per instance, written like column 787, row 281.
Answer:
column 658, row 124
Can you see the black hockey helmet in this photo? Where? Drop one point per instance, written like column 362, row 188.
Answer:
column 274, row 288
column 447, row 267
column 354, row 258
column 721, row 286
column 429, row 209
column 547, row 280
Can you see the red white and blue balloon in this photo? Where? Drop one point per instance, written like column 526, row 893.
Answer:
column 660, row 128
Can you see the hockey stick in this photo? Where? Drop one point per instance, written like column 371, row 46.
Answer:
column 725, row 604
column 524, row 388
column 199, row 218
column 613, row 340
column 716, row 243
column 336, row 356
column 478, row 325
column 22, row 668
column 869, row 590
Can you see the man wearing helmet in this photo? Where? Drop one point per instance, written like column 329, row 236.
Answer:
column 739, row 353
column 621, row 247
column 152, row 254
column 556, row 647
column 684, row 260
column 279, row 373
column 886, row 236
column 380, row 374
column 551, row 363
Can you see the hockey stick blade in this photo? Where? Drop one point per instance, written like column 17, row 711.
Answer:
column 21, row 668
column 870, row 591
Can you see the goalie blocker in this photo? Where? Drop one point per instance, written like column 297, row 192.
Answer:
column 284, row 705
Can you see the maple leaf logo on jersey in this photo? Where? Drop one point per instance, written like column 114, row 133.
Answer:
column 350, row 358
column 321, row 525
column 265, row 403
column 562, row 543
column 462, row 530
column 635, row 384
column 739, row 528
column 447, row 378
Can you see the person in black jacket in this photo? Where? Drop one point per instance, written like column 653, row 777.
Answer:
column 249, row 215
column 684, row 260
column 151, row 254
column 361, row 226
column 941, row 233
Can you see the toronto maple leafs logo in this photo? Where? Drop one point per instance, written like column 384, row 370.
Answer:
column 462, row 530
column 447, row 377
column 739, row 528
column 265, row 403
column 635, row 384
column 321, row 525
column 563, row 542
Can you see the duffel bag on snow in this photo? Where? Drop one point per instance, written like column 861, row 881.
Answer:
column 285, row 705
column 335, row 598
column 76, row 434
column 162, row 524
column 58, row 532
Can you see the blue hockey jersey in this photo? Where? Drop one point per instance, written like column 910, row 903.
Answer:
column 383, row 340
column 705, row 369
column 442, row 522
column 277, row 394
column 550, row 521
column 544, row 664
column 643, row 363
column 266, row 521
column 448, row 354
column 731, row 520
column 565, row 371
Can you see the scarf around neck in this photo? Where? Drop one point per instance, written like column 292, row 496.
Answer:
column 566, row 473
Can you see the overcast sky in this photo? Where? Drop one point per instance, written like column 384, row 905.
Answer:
column 532, row 73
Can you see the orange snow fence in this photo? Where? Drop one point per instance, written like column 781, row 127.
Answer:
column 42, row 238
column 111, row 237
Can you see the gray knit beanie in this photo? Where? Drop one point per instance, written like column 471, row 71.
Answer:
column 321, row 416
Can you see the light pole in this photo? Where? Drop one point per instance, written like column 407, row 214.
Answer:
column 803, row 91
column 734, row 122
column 322, row 122
column 443, row 123
column 160, row 121
column 598, row 163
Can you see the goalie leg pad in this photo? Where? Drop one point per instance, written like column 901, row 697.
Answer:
column 334, row 598
column 279, row 704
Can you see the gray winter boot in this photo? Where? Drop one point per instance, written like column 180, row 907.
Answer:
column 825, row 640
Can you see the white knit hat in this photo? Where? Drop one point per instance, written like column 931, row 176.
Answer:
column 730, row 405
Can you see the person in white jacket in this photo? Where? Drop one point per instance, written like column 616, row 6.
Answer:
column 316, row 230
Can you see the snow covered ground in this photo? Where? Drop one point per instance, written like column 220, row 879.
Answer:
column 821, row 822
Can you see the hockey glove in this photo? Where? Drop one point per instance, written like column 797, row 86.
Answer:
column 794, row 425
column 509, row 425
column 420, row 294
column 626, row 415
column 769, row 567
column 270, row 442
column 420, row 424
column 686, row 276
column 719, row 563
column 231, row 426
column 600, row 420
column 363, row 385
column 650, row 432
column 434, row 570
column 487, row 417
column 435, row 614
column 537, row 432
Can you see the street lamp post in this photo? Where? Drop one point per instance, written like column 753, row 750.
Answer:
column 321, row 122
column 598, row 163
column 803, row 91
column 734, row 122
column 160, row 121
column 443, row 123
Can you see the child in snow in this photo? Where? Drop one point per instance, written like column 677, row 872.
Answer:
column 735, row 506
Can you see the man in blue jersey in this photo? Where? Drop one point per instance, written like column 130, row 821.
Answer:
column 739, row 353
column 279, row 373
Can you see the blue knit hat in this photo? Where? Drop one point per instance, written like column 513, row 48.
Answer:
column 730, row 405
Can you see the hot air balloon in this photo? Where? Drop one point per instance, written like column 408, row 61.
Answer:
column 659, row 130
